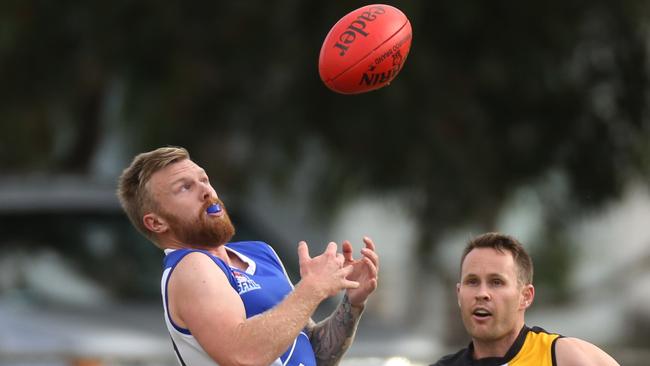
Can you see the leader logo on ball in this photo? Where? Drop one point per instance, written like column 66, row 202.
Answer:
column 365, row 50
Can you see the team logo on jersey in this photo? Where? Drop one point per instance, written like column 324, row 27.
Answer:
column 245, row 283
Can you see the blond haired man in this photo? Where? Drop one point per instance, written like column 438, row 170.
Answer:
column 233, row 303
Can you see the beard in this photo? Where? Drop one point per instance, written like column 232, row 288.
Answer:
column 202, row 231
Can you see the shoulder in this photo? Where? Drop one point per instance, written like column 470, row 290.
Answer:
column 455, row 359
column 574, row 351
column 199, row 275
column 540, row 335
column 174, row 257
column 196, row 263
column 539, row 330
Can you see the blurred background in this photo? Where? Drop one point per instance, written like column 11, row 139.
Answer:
column 527, row 117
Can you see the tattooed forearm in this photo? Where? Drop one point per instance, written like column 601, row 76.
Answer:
column 333, row 336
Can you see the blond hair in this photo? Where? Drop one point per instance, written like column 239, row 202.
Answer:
column 132, row 192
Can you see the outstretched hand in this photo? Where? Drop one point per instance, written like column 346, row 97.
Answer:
column 325, row 273
column 364, row 271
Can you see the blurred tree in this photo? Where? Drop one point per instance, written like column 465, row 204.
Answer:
column 493, row 96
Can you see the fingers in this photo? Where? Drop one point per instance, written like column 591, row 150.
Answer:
column 369, row 243
column 340, row 259
column 303, row 253
column 331, row 248
column 371, row 256
column 345, row 271
column 331, row 251
column 369, row 252
column 347, row 248
column 374, row 270
column 347, row 251
column 327, row 272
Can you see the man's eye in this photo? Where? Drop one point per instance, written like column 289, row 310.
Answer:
column 497, row 282
column 471, row 282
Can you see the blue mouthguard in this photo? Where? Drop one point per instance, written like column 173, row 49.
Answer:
column 214, row 208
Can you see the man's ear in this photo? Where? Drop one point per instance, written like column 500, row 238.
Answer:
column 154, row 223
column 528, row 295
column 458, row 293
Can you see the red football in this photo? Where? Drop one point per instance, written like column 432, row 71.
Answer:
column 365, row 50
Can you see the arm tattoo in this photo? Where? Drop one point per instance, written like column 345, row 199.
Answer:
column 333, row 336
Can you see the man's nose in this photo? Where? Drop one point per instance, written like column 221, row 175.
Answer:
column 483, row 293
column 206, row 191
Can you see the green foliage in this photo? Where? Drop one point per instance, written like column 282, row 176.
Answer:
column 492, row 95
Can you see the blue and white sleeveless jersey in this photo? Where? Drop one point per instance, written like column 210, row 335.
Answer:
column 261, row 286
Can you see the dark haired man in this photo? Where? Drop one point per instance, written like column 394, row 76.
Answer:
column 495, row 289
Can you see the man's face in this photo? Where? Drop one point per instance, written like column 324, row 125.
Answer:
column 492, row 302
column 183, row 193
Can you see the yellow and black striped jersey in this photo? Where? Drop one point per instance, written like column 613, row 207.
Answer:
column 533, row 347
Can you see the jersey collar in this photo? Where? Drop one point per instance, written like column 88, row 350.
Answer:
column 251, row 264
column 498, row 361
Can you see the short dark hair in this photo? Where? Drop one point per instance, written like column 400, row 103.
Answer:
column 502, row 243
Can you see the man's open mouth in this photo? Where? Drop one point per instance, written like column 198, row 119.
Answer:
column 481, row 313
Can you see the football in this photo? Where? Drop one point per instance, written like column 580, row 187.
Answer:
column 365, row 50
